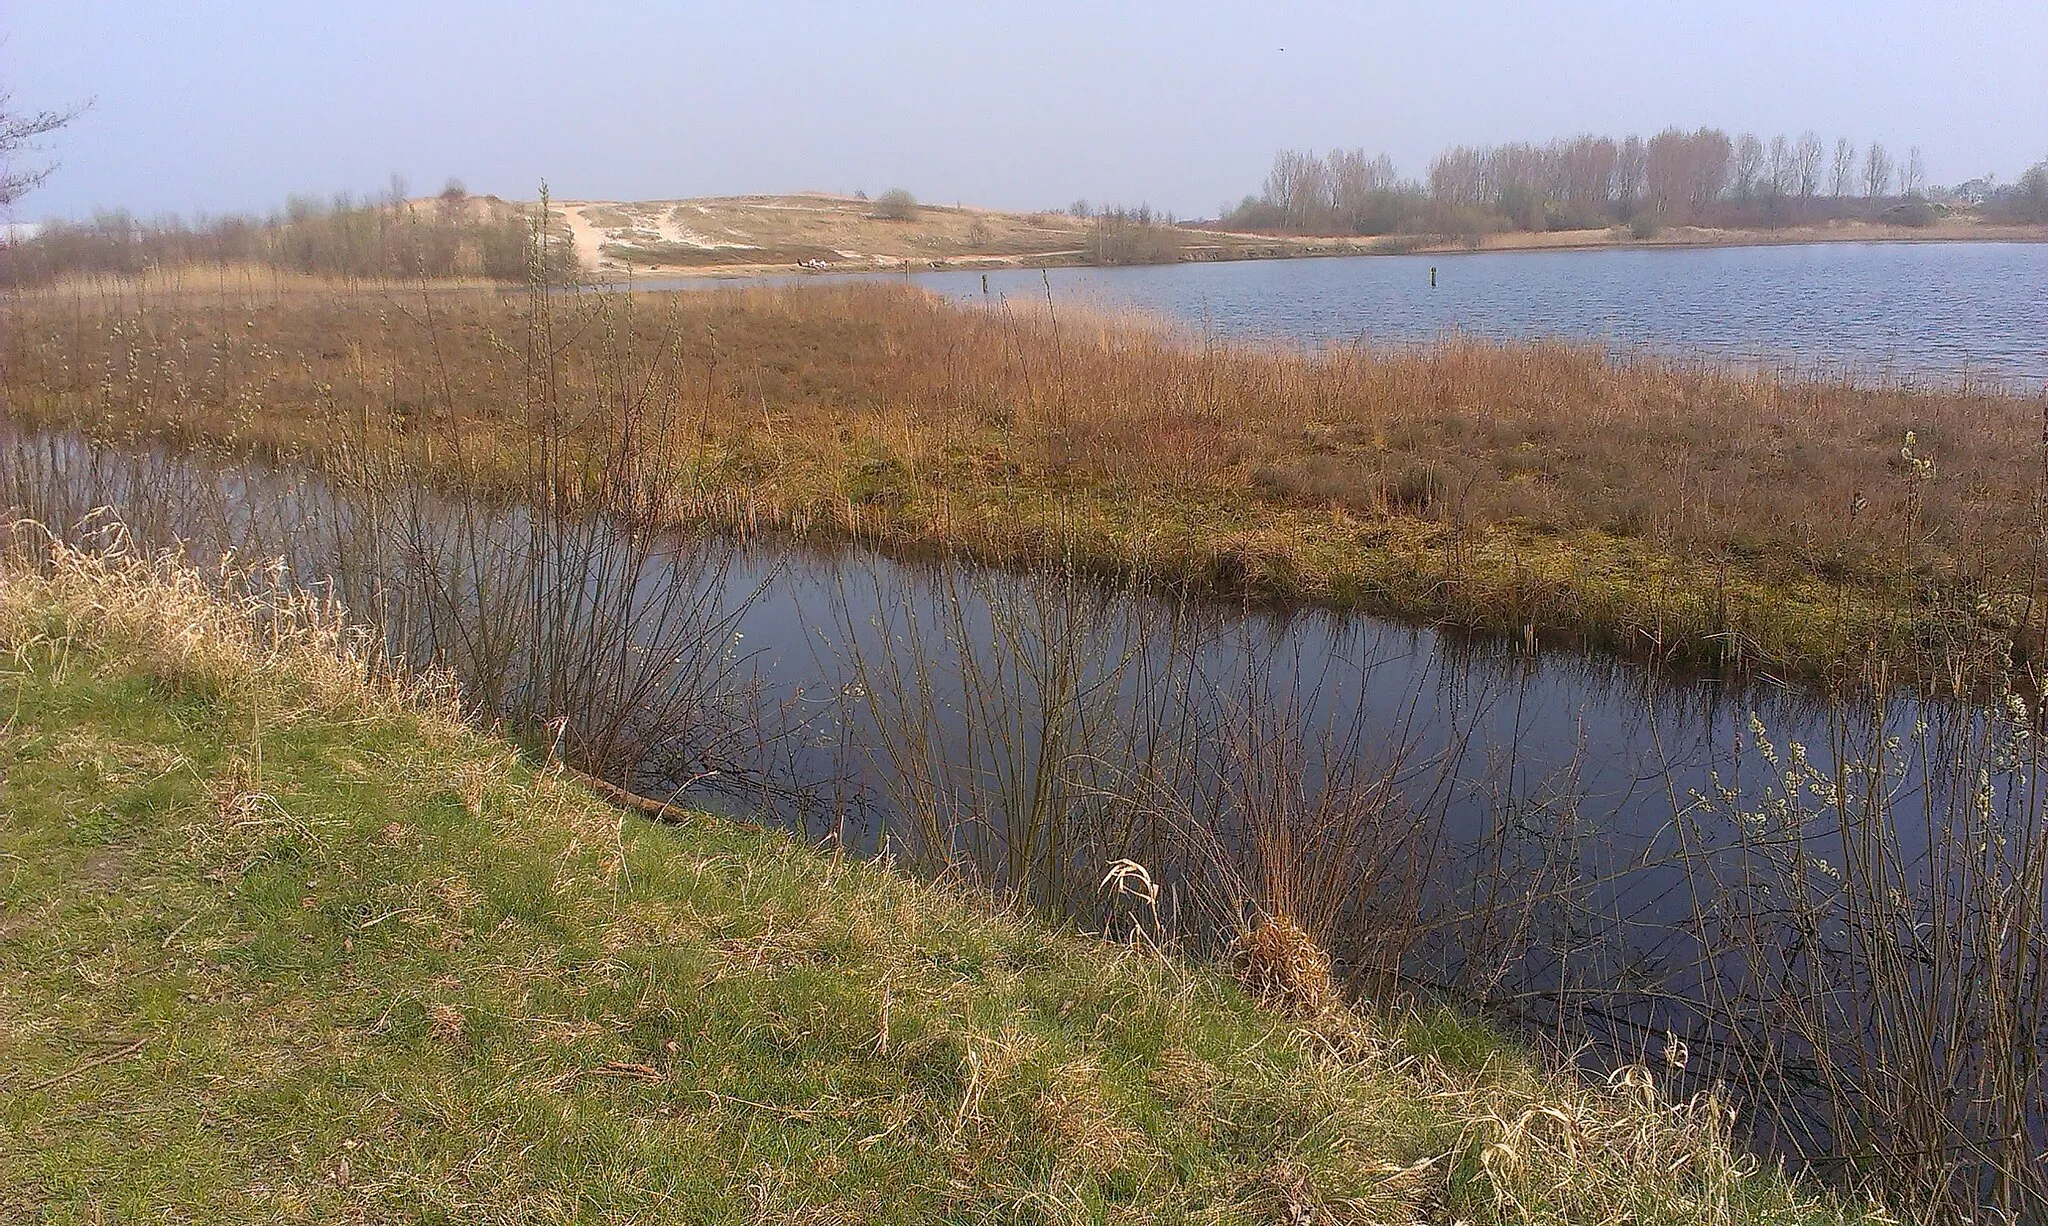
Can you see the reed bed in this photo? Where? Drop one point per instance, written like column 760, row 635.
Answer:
column 1797, row 523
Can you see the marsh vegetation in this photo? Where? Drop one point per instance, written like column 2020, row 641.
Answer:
column 1678, row 510
column 1843, row 927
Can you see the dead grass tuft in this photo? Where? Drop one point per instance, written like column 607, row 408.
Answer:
column 1284, row 967
column 217, row 631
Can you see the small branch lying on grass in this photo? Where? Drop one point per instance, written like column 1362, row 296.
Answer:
column 182, row 926
column 119, row 1053
column 659, row 810
column 622, row 1068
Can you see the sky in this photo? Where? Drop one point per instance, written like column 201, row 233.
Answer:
column 210, row 107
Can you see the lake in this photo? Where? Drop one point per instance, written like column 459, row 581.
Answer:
column 1900, row 310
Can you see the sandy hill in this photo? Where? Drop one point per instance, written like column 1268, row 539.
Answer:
column 817, row 231
column 742, row 234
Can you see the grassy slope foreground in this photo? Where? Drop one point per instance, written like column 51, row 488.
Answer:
column 276, row 943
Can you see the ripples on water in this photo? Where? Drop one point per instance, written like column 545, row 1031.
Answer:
column 1925, row 310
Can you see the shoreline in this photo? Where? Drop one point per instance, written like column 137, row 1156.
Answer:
column 1279, row 247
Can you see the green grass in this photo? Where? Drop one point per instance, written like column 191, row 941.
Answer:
column 276, row 944
column 1587, row 588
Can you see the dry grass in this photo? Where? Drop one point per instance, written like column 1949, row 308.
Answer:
column 1660, row 507
column 1284, row 967
column 241, row 279
column 326, row 954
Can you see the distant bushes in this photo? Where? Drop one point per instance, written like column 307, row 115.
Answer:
column 1914, row 212
column 895, row 205
column 2027, row 200
column 1132, row 236
column 454, row 235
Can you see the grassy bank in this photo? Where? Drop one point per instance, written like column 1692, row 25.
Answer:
column 280, row 942
column 1681, row 511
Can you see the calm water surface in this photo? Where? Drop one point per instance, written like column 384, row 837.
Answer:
column 1876, row 309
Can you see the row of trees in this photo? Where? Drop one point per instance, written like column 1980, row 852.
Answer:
column 452, row 235
column 1701, row 176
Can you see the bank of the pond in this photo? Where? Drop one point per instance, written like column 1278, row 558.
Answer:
column 282, row 942
column 1587, row 589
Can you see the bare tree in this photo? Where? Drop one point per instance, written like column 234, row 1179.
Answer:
column 1631, row 169
column 1585, row 175
column 1357, row 182
column 1664, row 165
column 1842, row 182
column 1684, row 172
column 19, row 132
column 1749, row 163
column 1779, row 172
column 1913, row 175
column 1806, row 157
column 1877, row 171
column 1457, row 178
column 1298, row 186
column 1709, row 167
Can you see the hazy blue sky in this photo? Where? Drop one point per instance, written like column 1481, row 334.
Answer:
column 224, row 106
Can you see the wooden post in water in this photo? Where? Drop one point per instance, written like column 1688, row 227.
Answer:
column 1432, row 276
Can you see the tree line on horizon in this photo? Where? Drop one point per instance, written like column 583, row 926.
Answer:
column 451, row 235
column 1700, row 177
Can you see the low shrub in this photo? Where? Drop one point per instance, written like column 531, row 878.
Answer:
column 895, row 205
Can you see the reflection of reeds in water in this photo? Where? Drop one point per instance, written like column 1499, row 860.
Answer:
column 1030, row 729
column 1872, row 927
column 613, row 646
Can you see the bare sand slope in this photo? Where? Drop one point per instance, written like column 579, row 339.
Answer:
column 737, row 235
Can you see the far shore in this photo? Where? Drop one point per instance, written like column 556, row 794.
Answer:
column 1219, row 246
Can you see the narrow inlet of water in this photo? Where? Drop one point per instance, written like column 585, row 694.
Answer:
column 1686, row 872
